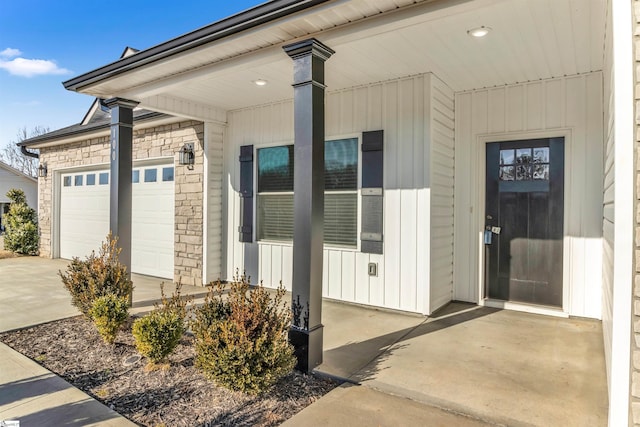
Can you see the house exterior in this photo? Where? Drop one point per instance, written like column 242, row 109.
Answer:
column 499, row 170
column 13, row 178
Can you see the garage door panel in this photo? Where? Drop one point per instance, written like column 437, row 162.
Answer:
column 84, row 220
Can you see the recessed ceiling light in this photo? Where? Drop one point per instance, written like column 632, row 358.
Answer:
column 260, row 82
column 479, row 31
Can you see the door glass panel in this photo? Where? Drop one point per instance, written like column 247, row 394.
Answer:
column 523, row 173
column 523, row 156
column 541, row 172
column 507, row 157
column 529, row 164
column 507, row 173
column 541, row 155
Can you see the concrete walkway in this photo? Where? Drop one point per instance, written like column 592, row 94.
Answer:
column 467, row 366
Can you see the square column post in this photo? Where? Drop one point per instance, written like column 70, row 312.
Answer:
column 120, row 182
column 308, row 57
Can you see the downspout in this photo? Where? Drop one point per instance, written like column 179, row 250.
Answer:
column 24, row 151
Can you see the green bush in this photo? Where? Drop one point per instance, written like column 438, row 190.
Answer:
column 158, row 333
column 241, row 340
column 109, row 312
column 96, row 276
column 21, row 229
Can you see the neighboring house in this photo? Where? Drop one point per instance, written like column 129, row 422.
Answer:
column 497, row 170
column 13, row 178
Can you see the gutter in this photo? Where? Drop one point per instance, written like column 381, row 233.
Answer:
column 234, row 24
column 23, row 150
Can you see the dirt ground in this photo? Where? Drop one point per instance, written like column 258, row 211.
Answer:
column 178, row 395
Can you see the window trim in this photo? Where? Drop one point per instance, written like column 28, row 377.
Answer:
column 358, row 191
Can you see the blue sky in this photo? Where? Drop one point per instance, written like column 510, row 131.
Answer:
column 44, row 42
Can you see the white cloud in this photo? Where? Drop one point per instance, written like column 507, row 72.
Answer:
column 32, row 67
column 10, row 53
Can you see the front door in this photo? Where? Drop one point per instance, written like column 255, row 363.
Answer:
column 524, row 221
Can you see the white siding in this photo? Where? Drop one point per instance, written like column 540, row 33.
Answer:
column 13, row 179
column 620, row 210
column 212, row 244
column 418, row 155
column 441, row 184
column 570, row 107
column 608, row 203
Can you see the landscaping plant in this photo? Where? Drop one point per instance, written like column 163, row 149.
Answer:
column 109, row 312
column 96, row 276
column 21, row 225
column 241, row 340
column 158, row 333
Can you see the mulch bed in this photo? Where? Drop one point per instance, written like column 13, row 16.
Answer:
column 179, row 395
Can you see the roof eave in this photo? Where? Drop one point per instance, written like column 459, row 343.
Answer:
column 234, row 24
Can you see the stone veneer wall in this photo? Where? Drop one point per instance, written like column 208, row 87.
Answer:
column 149, row 143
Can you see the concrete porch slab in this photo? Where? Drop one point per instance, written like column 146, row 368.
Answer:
column 499, row 366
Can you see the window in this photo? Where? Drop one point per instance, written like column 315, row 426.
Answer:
column 135, row 176
column 524, row 164
column 103, row 178
column 275, row 193
column 150, row 175
column 67, row 181
column 167, row 174
column 91, row 179
column 77, row 180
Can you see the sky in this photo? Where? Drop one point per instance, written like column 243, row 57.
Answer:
column 46, row 42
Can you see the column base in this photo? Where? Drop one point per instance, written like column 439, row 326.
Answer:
column 307, row 346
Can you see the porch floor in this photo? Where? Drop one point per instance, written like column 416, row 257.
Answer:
column 500, row 366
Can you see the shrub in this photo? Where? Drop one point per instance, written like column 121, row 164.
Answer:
column 21, row 229
column 241, row 341
column 109, row 312
column 158, row 333
column 96, row 276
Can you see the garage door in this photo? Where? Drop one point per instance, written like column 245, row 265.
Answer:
column 84, row 216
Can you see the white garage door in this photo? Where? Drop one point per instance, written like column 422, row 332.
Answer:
column 84, row 216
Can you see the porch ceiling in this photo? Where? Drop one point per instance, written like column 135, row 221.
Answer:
column 378, row 40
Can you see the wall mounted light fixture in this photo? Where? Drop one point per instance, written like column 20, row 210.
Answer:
column 187, row 156
column 42, row 170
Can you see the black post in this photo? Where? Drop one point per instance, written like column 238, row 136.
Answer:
column 308, row 57
column 120, row 185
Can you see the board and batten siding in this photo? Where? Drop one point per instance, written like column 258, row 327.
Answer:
column 415, row 273
column 570, row 107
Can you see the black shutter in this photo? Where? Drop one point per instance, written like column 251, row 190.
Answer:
column 372, row 192
column 246, row 194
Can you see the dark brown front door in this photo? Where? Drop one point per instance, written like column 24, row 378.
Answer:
column 524, row 221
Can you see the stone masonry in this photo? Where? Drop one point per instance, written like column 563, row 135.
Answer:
column 148, row 143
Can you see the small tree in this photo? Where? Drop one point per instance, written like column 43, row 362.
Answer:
column 21, row 229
